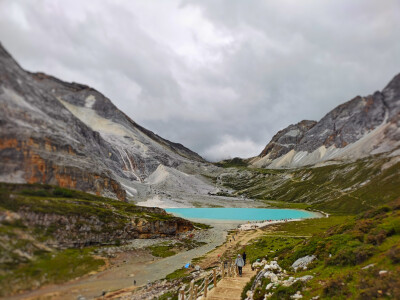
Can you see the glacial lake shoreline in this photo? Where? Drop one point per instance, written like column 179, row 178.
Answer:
column 241, row 215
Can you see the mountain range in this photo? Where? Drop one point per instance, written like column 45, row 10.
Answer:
column 71, row 135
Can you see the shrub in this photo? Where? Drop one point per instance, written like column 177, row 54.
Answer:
column 376, row 236
column 396, row 204
column 358, row 235
column 64, row 193
column 351, row 256
column 308, row 249
column 258, row 293
column 394, row 254
column 36, row 193
column 283, row 292
column 373, row 286
column 375, row 212
column 392, row 226
column 335, row 287
column 364, row 225
column 179, row 273
column 169, row 296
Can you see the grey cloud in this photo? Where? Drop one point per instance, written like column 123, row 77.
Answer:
column 220, row 77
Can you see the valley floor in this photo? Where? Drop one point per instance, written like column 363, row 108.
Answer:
column 235, row 242
column 121, row 271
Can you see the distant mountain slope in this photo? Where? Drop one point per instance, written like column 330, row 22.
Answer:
column 358, row 128
column 71, row 135
column 286, row 139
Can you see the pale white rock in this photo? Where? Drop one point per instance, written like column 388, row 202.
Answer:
column 368, row 266
column 303, row 262
column 273, row 277
column 296, row 296
column 305, row 278
column 269, row 285
column 382, row 272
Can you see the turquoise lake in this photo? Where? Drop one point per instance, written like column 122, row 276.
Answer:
column 240, row 214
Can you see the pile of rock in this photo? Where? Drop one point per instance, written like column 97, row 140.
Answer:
column 278, row 276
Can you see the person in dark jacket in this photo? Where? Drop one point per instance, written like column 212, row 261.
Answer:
column 244, row 257
column 239, row 263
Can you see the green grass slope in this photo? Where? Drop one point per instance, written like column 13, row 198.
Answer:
column 371, row 240
column 341, row 188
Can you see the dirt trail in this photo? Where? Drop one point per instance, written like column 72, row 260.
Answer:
column 228, row 249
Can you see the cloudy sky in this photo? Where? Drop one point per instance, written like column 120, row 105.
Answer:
column 220, row 77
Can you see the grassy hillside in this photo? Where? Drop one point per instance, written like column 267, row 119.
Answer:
column 359, row 258
column 345, row 188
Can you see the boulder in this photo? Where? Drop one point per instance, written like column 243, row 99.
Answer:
column 305, row 278
column 303, row 262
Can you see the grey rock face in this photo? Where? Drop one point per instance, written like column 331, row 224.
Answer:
column 78, row 231
column 287, row 139
column 346, row 124
column 391, row 96
column 341, row 128
column 70, row 135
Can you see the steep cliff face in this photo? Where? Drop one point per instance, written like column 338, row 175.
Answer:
column 70, row 135
column 358, row 128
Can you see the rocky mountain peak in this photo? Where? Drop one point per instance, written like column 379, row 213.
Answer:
column 392, row 96
column 71, row 135
column 286, row 139
column 357, row 128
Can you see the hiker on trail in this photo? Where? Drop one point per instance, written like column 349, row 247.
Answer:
column 244, row 257
column 239, row 263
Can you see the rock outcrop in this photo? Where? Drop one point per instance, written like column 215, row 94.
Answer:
column 70, row 135
column 72, row 231
column 286, row 139
column 358, row 128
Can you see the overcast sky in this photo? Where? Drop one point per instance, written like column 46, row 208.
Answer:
column 220, row 77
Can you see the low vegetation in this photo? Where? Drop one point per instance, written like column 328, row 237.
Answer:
column 179, row 273
column 358, row 258
column 234, row 162
column 166, row 249
column 44, row 267
column 50, row 199
column 341, row 189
